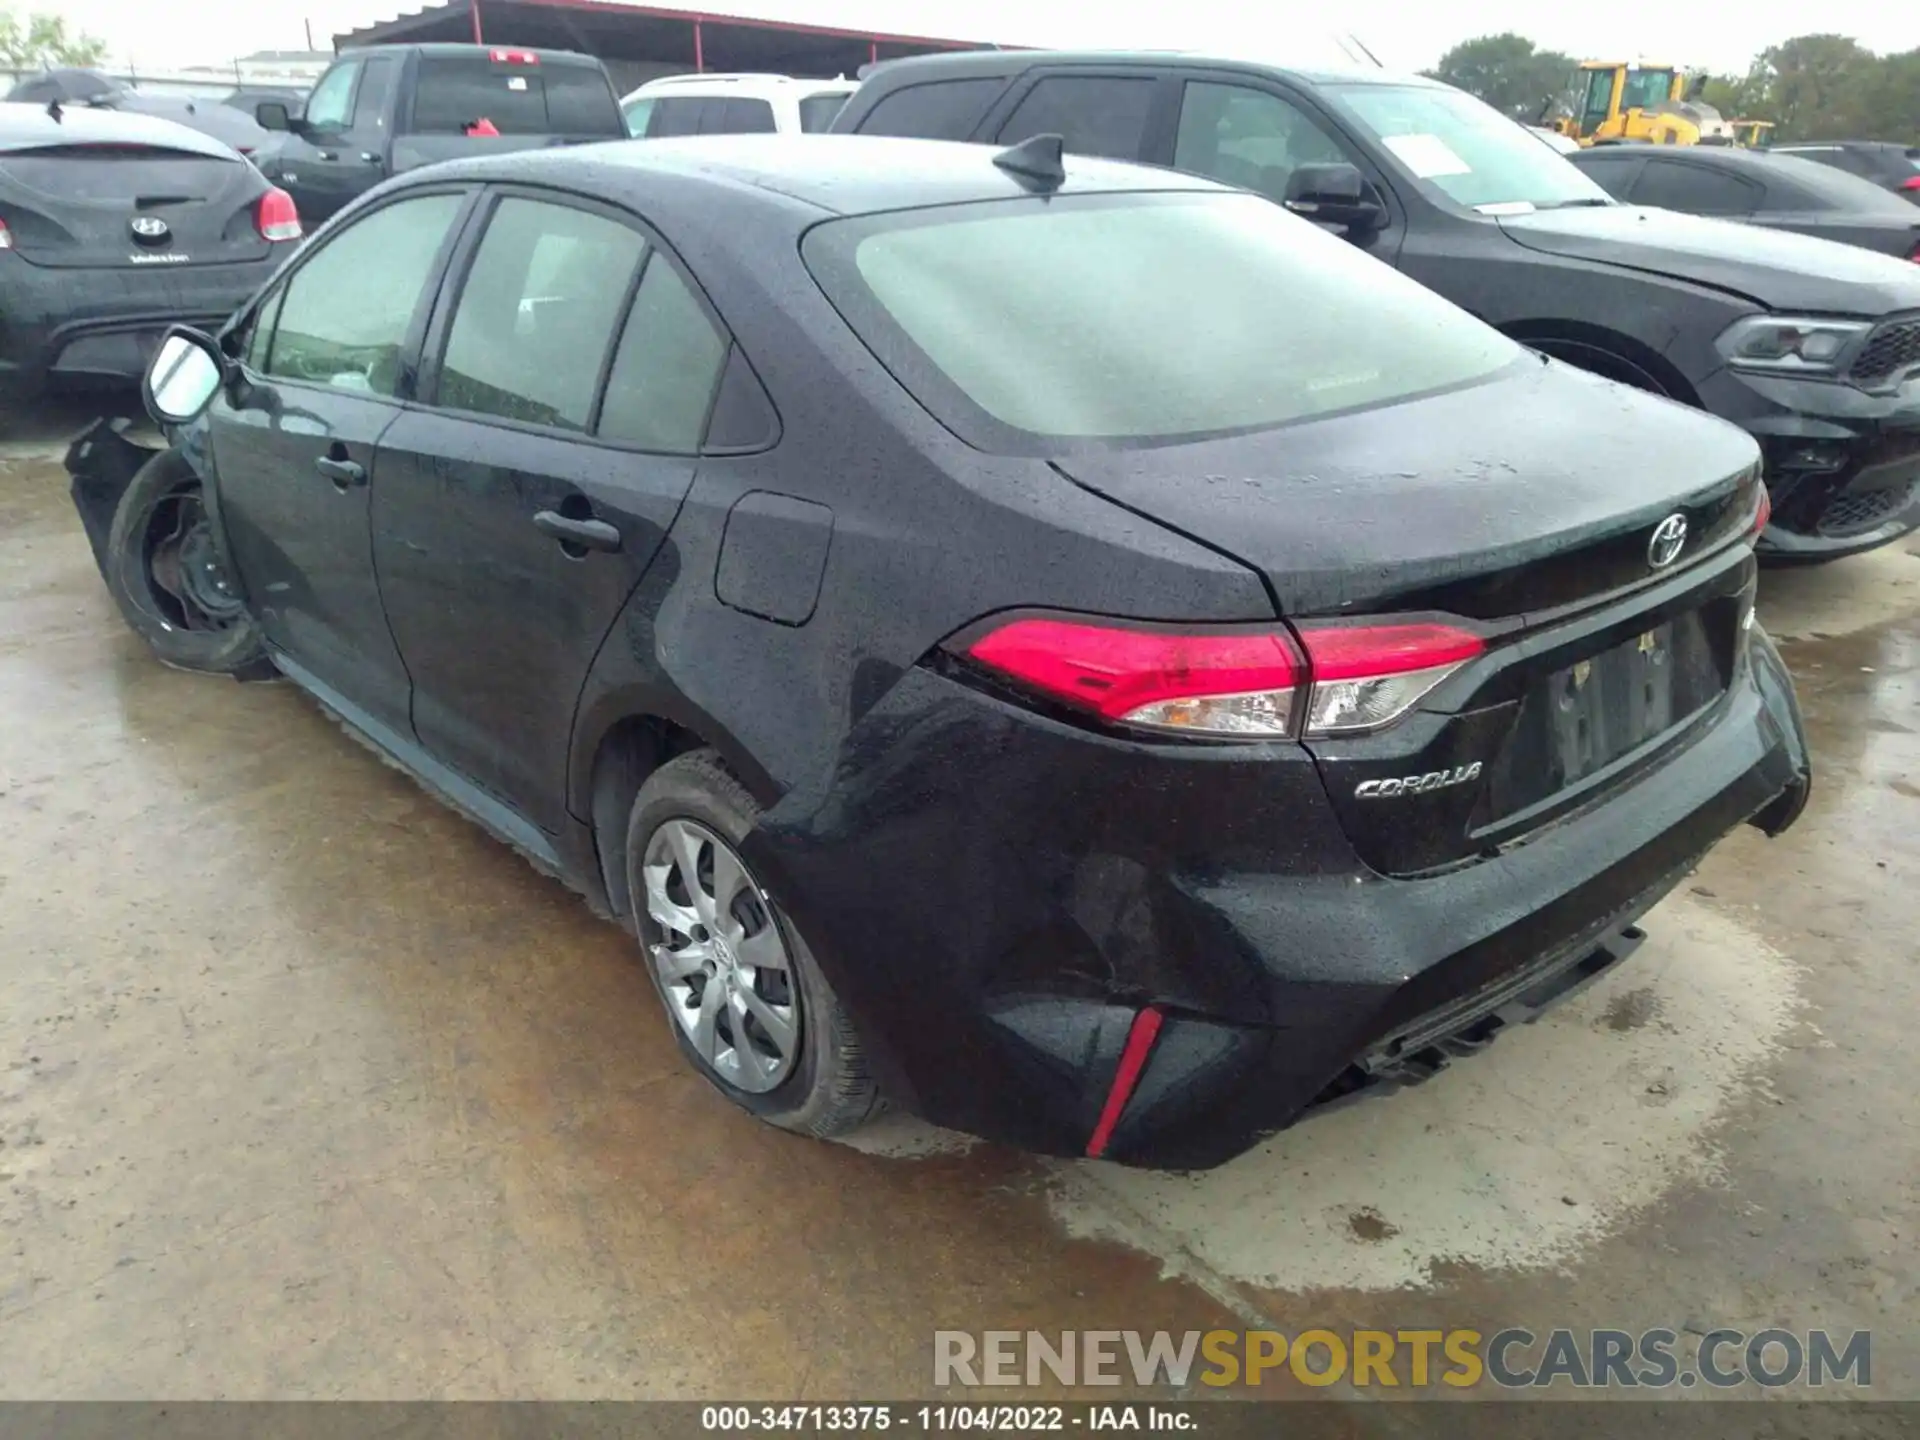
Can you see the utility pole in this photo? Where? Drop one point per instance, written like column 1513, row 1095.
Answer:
column 309, row 25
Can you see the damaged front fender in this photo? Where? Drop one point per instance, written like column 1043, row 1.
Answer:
column 101, row 462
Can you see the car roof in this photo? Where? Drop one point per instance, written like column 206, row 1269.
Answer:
column 28, row 125
column 1837, row 187
column 956, row 64
column 814, row 174
column 1845, row 145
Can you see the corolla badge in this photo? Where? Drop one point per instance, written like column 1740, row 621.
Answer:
column 1668, row 540
column 149, row 227
column 1418, row 784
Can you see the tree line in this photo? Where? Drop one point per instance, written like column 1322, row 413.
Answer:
column 1813, row 87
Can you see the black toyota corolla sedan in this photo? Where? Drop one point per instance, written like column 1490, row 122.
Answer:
column 1067, row 649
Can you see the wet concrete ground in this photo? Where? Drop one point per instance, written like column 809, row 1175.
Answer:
column 310, row 1089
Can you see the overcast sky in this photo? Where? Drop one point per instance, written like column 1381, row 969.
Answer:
column 1404, row 35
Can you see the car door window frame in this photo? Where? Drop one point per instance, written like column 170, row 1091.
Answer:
column 240, row 339
column 459, row 266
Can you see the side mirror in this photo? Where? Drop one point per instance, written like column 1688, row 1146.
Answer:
column 273, row 115
column 186, row 373
column 1334, row 195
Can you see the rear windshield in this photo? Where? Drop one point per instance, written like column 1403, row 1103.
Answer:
column 1034, row 325
column 817, row 111
column 130, row 176
column 453, row 92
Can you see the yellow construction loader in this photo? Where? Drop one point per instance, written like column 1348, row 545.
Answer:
column 1751, row 134
column 1615, row 101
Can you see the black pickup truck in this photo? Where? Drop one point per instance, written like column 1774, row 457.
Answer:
column 380, row 111
column 1812, row 347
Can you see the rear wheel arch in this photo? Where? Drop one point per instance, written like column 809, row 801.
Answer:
column 1605, row 352
column 628, row 751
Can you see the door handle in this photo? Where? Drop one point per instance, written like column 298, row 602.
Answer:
column 329, row 155
column 367, row 157
column 344, row 473
column 590, row 534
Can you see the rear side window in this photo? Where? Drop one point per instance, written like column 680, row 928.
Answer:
column 453, row 92
column 663, row 378
column 118, row 175
column 346, row 311
column 534, row 319
column 1695, row 189
column 817, row 111
column 738, row 117
column 1094, row 114
column 1001, row 318
column 675, row 115
column 939, row 110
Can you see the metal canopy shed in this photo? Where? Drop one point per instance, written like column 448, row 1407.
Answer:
column 638, row 42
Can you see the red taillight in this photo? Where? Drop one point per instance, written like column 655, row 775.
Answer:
column 1365, row 677
column 1126, row 1075
column 513, row 57
column 276, row 216
column 6, row 236
column 1236, row 684
column 1764, row 513
column 1912, row 182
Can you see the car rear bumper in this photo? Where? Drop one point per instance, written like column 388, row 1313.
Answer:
column 61, row 326
column 1843, row 466
column 996, row 897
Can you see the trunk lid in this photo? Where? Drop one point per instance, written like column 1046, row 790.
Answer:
column 1524, row 508
column 130, row 205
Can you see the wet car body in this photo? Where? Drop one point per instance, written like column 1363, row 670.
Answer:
column 84, row 295
column 1512, row 235
column 1067, row 933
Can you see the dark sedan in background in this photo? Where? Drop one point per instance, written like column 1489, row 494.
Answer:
column 113, row 226
column 1761, row 187
column 1890, row 165
column 1061, row 648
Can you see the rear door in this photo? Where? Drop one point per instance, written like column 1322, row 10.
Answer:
column 118, row 206
column 518, row 510
column 328, row 362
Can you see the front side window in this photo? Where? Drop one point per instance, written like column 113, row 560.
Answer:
column 675, row 115
column 1599, row 100
column 535, row 316
column 1459, row 149
column 376, row 85
column 1094, row 114
column 738, row 116
column 331, row 103
column 1031, row 325
column 347, row 309
column 1249, row 138
column 937, row 110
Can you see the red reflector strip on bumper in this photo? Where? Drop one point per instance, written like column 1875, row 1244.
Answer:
column 1133, row 1059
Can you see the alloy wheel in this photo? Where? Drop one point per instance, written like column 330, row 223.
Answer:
column 721, row 959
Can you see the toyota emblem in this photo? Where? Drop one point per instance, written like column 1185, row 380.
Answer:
column 1669, row 539
column 148, row 227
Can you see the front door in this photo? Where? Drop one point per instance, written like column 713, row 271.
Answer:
column 295, row 445
column 341, row 150
column 517, row 511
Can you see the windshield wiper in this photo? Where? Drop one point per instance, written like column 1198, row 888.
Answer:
column 1575, row 204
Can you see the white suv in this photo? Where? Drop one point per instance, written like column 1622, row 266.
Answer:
column 733, row 105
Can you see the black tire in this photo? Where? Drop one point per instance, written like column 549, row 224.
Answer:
column 165, row 573
column 829, row 1090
